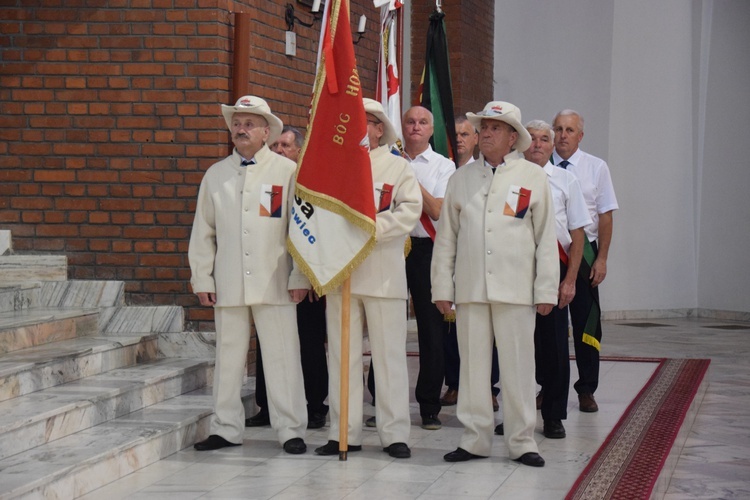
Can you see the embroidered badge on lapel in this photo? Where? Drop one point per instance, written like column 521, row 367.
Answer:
column 517, row 202
column 271, row 197
column 383, row 196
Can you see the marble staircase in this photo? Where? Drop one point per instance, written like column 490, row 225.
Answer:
column 90, row 389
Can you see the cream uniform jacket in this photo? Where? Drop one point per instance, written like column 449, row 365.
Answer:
column 500, row 227
column 238, row 243
column 398, row 202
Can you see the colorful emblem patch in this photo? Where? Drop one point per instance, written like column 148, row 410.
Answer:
column 517, row 202
column 271, row 197
column 383, row 196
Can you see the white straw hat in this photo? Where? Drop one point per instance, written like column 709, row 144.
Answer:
column 255, row 106
column 504, row 112
column 375, row 108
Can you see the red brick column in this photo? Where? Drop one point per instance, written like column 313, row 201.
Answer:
column 470, row 29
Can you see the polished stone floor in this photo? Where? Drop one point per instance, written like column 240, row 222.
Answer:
column 714, row 462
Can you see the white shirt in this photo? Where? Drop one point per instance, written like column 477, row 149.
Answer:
column 471, row 159
column 596, row 184
column 570, row 207
column 432, row 171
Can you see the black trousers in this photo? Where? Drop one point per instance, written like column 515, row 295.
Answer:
column 587, row 357
column 311, row 325
column 552, row 358
column 431, row 328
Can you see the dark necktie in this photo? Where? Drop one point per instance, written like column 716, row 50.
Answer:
column 245, row 163
column 564, row 164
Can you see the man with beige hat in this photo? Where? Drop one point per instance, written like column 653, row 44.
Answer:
column 496, row 239
column 379, row 295
column 240, row 266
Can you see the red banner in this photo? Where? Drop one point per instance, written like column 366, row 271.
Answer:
column 332, row 229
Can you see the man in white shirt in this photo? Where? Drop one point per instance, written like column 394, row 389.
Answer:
column 432, row 171
column 289, row 144
column 551, row 332
column 466, row 140
column 585, row 311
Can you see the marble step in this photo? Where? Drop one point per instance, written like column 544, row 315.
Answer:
column 80, row 463
column 65, row 294
column 50, row 414
column 155, row 319
column 32, row 268
column 19, row 297
column 82, row 293
column 36, row 368
column 187, row 345
column 31, row 327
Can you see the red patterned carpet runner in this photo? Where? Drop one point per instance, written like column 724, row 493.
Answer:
column 628, row 463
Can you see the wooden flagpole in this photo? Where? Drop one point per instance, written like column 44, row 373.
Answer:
column 344, row 376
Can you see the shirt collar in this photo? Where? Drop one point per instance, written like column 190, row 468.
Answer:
column 470, row 160
column 549, row 168
column 423, row 157
column 574, row 159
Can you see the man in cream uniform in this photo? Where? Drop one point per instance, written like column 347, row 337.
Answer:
column 379, row 293
column 496, row 238
column 551, row 333
column 466, row 140
column 311, row 326
column 241, row 267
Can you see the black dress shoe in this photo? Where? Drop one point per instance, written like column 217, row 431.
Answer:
column 213, row 442
column 531, row 459
column 554, row 429
column 460, row 455
column 316, row 420
column 332, row 448
column 398, row 450
column 499, row 429
column 295, row 446
column 260, row 419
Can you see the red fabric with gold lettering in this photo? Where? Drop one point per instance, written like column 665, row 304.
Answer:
column 335, row 162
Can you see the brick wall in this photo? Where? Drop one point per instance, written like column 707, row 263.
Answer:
column 110, row 117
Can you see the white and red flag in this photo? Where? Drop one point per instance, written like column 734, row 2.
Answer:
column 332, row 226
column 388, row 91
